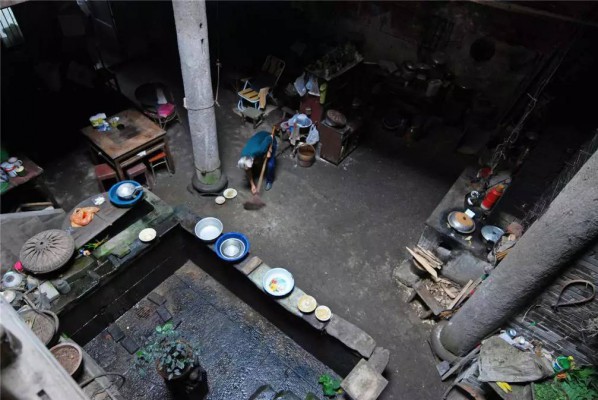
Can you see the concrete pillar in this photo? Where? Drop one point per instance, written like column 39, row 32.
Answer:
column 194, row 52
column 568, row 226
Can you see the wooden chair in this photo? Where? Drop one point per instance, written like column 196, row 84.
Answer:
column 157, row 102
column 157, row 160
column 268, row 77
column 256, row 114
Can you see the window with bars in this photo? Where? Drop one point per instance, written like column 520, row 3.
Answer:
column 10, row 34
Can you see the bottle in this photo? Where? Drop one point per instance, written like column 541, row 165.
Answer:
column 492, row 196
column 562, row 363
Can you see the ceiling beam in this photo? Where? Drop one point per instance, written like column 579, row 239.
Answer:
column 9, row 3
column 517, row 8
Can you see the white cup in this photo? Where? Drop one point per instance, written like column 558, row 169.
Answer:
column 15, row 161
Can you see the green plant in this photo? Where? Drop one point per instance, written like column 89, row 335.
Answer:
column 580, row 384
column 330, row 386
column 167, row 351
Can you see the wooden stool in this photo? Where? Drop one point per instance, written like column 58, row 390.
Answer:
column 156, row 160
column 254, row 114
column 138, row 170
column 105, row 173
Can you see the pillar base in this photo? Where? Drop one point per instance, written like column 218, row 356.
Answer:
column 437, row 346
column 209, row 188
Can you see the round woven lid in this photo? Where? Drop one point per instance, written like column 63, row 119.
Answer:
column 47, row 251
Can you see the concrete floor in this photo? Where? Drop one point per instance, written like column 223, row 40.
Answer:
column 340, row 230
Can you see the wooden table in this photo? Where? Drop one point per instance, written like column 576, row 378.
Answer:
column 124, row 147
column 33, row 171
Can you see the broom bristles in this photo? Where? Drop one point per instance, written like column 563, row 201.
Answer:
column 255, row 203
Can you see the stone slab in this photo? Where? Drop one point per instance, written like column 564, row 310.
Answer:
column 313, row 321
column 156, row 298
column 402, row 273
column 257, row 276
column 463, row 266
column 290, row 302
column 379, row 359
column 364, row 382
column 351, row 336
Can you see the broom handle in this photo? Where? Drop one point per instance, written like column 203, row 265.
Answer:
column 259, row 182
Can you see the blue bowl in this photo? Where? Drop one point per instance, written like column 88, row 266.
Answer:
column 232, row 246
column 117, row 201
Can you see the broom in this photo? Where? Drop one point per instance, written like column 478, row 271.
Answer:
column 255, row 203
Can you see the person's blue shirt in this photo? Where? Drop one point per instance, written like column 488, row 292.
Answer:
column 257, row 145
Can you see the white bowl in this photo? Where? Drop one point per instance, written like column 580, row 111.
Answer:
column 220, row 200
column 208, row 229
column 285, row 282
column 230, row 193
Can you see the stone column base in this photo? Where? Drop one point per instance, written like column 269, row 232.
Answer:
column 437, row 346
column 216, row 187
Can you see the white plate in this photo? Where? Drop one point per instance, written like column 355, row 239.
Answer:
column 278, row 282
column 307, row 304
column 230, row 193
column 323, row 313
column 220, row 200
column 147, row 235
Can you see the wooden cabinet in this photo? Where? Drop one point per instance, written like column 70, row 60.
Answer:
column 337, row 143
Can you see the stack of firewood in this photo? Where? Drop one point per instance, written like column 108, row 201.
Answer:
column 425, row 260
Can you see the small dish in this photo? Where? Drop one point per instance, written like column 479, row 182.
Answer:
column 278, row 282
column 147, row 235
column 220, row 200
column 323, row 313
column 230, row 193
column 307, row 304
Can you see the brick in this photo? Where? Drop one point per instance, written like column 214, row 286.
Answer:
column 248, row 266
column 156, row 298
column 116, row 333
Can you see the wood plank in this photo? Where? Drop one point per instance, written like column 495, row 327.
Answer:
column 432, row 256
column 462, row 362
column 461, row 294
column 107, row 215
column 428, row 299
column 424, row 263
column 425, row 255
column 447, row 291
column 430, row 260
column 473, row 286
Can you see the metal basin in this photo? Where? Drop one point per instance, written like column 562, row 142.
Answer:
column 232, row 246
column 208, row 229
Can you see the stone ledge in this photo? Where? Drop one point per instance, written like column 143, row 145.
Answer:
column 351, row 336
column 363, row 382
